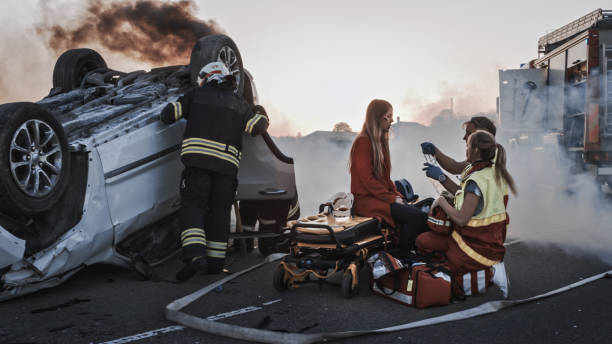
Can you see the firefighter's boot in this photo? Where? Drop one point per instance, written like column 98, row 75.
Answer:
column 193, row 266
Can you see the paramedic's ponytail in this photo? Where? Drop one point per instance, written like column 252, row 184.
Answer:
column 500, row 168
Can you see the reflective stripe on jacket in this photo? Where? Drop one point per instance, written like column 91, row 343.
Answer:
column 216, row 120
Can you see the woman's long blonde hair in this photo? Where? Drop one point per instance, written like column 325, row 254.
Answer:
column 379, row 139
column 485, row 142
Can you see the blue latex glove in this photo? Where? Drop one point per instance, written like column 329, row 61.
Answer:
column 428, row 148
column 432, row 171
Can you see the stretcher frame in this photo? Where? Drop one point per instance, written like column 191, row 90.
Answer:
column 317, row 262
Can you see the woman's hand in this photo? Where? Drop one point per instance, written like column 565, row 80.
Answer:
column 462, row 216
column 399, row 200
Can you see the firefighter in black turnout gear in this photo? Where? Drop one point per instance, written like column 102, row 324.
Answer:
column 211, row 151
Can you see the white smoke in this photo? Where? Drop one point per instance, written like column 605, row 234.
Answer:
column 560, row 200
column 557, row 207
column 321, row 166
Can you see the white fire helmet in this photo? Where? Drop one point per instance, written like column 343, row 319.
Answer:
column 213, row 68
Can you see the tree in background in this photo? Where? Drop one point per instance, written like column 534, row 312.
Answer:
column 342, row 127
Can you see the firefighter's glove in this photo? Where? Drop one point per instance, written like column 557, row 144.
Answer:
column 432, row 171
column 428, row 148
column 258, row 109
column 167, row 114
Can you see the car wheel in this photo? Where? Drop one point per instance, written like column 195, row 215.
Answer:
column 217, row 48
column 72, row 66
column 247, row 91
column 34, row 159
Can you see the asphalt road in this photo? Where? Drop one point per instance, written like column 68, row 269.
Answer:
column 104, row 304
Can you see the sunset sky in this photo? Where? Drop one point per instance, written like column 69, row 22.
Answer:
column 316, row 63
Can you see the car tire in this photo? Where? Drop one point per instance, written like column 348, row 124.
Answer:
column 217, row 48
column 72, row 66
column 247, row 91
column 34, row 172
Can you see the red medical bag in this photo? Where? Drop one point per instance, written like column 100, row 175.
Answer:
column 418, row 284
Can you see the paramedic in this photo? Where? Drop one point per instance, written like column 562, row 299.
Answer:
column 449, row 164
column 479, row 218
column 211, row 151
column 370, row 167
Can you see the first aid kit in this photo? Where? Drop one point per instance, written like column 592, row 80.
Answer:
column 416, row 284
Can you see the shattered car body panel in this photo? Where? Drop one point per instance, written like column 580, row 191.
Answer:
column 11, row 248
column 130, row 167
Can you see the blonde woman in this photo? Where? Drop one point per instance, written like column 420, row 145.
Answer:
column 370, row 168
column 479, row 215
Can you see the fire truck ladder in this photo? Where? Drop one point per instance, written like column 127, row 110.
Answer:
column 607, row 102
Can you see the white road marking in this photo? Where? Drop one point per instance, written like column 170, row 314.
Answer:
column 159, row 331
column 144, row 335
column 233, row 313
column 271, row 302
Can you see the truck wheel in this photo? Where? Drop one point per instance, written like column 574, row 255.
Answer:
column 217, row 48
column 34, row 159
column 72, row 66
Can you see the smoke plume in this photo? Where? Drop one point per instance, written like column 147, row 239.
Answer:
column 161, row 33
column 465, row 101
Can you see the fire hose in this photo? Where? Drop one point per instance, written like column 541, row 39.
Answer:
column 173, row 313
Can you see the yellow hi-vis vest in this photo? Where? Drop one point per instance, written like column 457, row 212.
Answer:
column 482, row 238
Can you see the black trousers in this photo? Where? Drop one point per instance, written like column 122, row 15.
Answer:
column 205, row 213
column 411, row 221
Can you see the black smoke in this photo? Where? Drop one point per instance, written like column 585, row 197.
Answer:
column 161, row 33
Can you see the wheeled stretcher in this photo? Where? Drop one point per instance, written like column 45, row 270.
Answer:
column 322, row 246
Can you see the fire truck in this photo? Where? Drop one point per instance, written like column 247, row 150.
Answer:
column 564, row 97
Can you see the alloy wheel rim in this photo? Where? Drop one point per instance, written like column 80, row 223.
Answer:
column 35, row 158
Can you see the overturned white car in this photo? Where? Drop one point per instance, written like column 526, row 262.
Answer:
column 89, row 174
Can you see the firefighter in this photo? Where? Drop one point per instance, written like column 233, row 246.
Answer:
column 211, row 151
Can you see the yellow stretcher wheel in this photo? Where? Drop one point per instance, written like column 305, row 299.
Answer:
column 279, row 279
